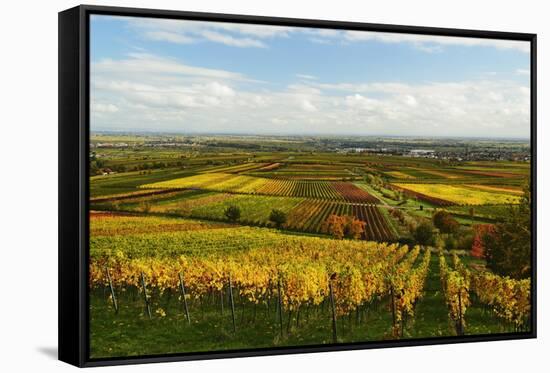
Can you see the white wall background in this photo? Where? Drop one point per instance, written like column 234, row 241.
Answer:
column 28, row 184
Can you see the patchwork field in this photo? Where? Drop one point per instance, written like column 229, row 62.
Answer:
column 339, row 191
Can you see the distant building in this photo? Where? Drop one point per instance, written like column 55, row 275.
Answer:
column 422, row 153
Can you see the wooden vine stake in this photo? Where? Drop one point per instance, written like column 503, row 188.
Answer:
column 459, row 328
column 393, row 306
column 280, row 305
column 182, row 289
column 333, row 307
column 221, row 301
column 113, row 296
column 232, row 301
column 145, row 297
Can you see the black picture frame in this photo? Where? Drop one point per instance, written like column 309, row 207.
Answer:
column 74, row 194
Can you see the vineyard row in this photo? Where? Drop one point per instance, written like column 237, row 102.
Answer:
column 509, row 299
column 347, row 280
column 221, row 182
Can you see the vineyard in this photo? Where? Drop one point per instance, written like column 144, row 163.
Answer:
column 177, row 269
column 240, row 168
column 460, row 195
column 250, row 244
column 307, row 171
column 337, row 191
column 508, row 299
column 292, row 188
column 352, row 193
column 310, row 215
column 110, row 224
column 255, row 210
column 342, row 277
column 435, row 201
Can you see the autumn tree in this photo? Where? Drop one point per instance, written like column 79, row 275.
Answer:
column 335, row 226
column 344, row 226
column 480, row 230
column 355, row 227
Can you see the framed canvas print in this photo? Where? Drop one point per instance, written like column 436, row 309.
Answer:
column 238, row 186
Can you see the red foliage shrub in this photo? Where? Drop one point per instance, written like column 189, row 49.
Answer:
column 481, row 230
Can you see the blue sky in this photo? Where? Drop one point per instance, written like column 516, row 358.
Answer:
column 189, row 77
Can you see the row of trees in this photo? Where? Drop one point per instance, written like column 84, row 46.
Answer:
column 97, row 167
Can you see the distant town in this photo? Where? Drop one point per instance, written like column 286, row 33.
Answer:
column 459, row 149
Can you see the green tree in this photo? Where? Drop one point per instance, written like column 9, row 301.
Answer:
column 508, row 245
column 94, row 170
column 277, row 217
column 451, row 243
column 424, row 234
column 445, row 222
column 233, row 213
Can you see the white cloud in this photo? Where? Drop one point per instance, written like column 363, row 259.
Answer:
column 304, row 89
column 321, row 41
column 184, row 32
column 433, row 43
column 172, row 37
column 221, row 90
column 306, row 105
column 322, row 32
column 144, row 63
column 306, row 76
column 247, row 35
column 143, row 91
column 523, row 71
column 409, row 100
column 101, row 107
column 361, row 102
column 232, row 41
column 426, row 43
column 259, row 31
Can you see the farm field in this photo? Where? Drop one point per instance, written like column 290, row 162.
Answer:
column 232, row 248
column 460, row 195
column 254, row 209
column 342, row 191
column 310, row 215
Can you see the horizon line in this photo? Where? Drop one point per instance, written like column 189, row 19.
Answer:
column 326, row 135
